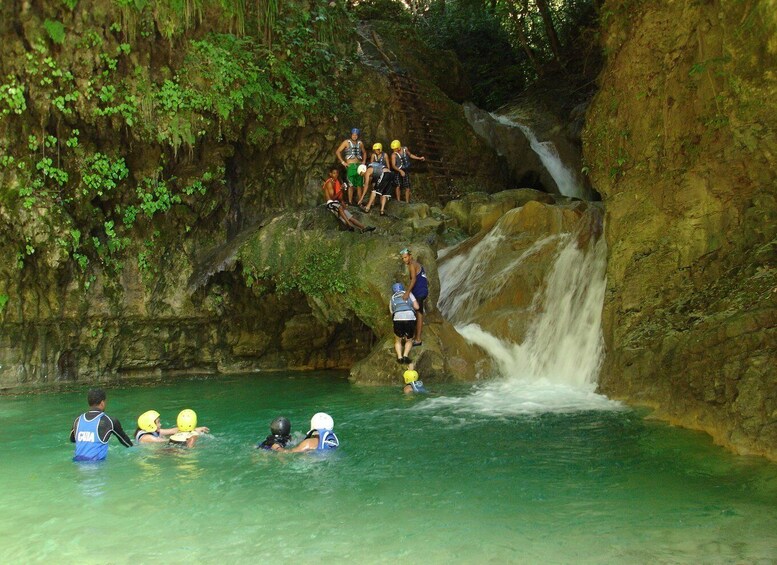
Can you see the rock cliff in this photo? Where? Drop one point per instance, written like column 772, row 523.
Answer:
column 680, row 141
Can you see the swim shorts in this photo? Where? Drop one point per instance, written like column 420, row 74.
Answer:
column 354, row 178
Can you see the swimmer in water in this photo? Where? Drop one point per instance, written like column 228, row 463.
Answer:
column 321, row 435
column 280, row 435
column 150, row 428
column 188, row 432
column 413, row 384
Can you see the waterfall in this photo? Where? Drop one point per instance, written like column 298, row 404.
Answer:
column 565, row 178
column 555, row 368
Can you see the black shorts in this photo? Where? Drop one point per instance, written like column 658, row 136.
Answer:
column 404, row 328
column 402, row 181
column 383, row 188
column 420, row 301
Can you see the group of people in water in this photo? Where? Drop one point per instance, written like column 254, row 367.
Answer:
column 92, row 430
column 386, row 174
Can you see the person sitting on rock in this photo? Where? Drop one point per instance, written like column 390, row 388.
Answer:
column 413, row 385
column 403, row 314
column 333, row 196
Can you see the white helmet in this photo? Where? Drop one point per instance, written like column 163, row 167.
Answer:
column 321, row 421
column 361, row 169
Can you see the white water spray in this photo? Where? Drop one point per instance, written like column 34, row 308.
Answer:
column 556, row 366
column 565, row 179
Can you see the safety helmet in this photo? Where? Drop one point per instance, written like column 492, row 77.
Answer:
column 187, row 420
column 377, row 147
column 321, row 421
column 397, row 287
column 356, row 131
column 361, row 169
column 396, row 144
column 410, row 376
column 147, row 421
column 280, row 426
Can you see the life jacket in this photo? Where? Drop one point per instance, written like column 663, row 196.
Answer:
column 327, row 440
column 89, row 446
column 380, row 159
column 399, row 304
column 140, row 433
column 353, row 151
column 418, row 386
column 404, row 159
column 272, row 439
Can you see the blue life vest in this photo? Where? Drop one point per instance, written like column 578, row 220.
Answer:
column 399, row 304
column 418, row 386
column 327, row 440
column 140, row 433
column 89, row 446
column 421, row 286
column 353, row 151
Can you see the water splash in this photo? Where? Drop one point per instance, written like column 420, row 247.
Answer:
column 565, row 178
column 555, row 368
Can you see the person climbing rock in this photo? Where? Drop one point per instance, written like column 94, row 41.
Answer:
column 92, row 430
column 403, row 307
column 400, row 162
column 419, row 286
column 381, row 178
column 351, row 154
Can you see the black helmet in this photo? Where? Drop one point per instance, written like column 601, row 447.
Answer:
column 280, row 426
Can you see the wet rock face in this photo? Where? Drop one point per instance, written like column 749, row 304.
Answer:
column 681, row 144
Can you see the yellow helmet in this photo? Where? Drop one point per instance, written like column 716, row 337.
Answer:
column 377, row 147
column 147, row 421
column 187, row 420
column 396, row 144
column 410, row 376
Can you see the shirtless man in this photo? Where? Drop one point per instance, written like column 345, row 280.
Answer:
column 351, row 154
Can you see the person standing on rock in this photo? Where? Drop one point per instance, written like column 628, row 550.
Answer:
column 378, row 156
column 403, row 307
column 351, row 154
column 418, row 286
column 400, row 162
column 92, row 430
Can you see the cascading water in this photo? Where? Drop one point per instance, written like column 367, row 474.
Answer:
column 565, row 178
column 555, row 368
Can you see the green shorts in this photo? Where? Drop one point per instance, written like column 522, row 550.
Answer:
column 354, row 178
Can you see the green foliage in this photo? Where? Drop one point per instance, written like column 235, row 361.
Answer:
column 310, row 265
column 12, row 97
column 102, row 174
column 55, row 29
column 3, row 301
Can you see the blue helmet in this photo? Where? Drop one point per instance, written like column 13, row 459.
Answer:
column 356, row 131
column 397, row 287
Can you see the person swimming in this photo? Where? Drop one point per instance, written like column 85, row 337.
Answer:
column 150, row 428
column 412, row 383
column 321, row 435
column 188, row 432
column 280, row 435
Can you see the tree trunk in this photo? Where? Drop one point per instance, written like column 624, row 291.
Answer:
column 550, row 31
column 517, row 15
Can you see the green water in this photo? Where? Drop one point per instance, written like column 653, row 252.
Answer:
column 417, row 480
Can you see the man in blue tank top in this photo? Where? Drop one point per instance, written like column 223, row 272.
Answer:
column 419, row 286
column 92, row 430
